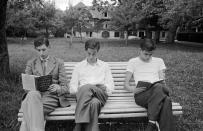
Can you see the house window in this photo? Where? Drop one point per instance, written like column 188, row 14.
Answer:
column 141, row 34
column 105, row 26
column 163, row 34
column 105, row 14
column 90, row 34
column 116, row 34
column 130, row 33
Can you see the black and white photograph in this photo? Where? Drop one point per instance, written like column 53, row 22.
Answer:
column 101, row 65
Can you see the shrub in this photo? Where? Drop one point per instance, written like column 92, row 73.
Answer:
column 191, row 37
column 60, row 33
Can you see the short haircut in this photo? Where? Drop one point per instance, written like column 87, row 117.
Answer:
column 40, row 41
column 148, row 45
column 92, row 44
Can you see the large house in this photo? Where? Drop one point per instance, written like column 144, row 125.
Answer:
column 101, row 28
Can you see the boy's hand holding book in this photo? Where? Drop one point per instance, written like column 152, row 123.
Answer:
column 54, row 88
column 144, row 85
column 140, row 89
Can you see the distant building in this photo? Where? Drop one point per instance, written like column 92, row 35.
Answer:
column 101, row 28
column 100, row 25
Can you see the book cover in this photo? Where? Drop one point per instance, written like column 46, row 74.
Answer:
column 43, row 82
column 40, row 83
column 146, row 84
column 143, row 84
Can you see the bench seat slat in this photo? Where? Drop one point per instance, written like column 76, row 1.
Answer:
column 118, row 87
column 109, row 108
column 131, row 115
column 113, row 99
column 104, row 110
column 120, row 92
column 120, row 98
column 106, row 116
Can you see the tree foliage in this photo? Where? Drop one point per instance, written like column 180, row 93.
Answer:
column 45, row 16
column 77, row 19
column 20, row 21
column 166, row 14
column 178, row 13
column 76, row 16
column 4, row 56
column 29, row 16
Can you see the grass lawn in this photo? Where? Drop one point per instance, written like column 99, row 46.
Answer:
column 184, row 74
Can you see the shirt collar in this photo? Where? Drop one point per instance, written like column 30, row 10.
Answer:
column 98, row 63
column 46, row 59
column 146, row 61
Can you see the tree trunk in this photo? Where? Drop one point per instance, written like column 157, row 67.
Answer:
column 81, row 37
column 157, row 36
column 126, row 37
column 47, row 32
column 71, row 38
column 81, row 34
column 148, row 34
column 170, row 38
column 4, row 57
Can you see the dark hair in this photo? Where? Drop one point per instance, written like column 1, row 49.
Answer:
column 40, row 41
column 148, row 45
column 92, row 44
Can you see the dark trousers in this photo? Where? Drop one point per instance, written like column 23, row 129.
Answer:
column 90, row 99
column 159, row 106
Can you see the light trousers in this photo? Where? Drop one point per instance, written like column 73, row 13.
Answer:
column 35, row 107
column 90, row 100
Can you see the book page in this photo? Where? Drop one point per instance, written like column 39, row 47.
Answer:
column 28, row 82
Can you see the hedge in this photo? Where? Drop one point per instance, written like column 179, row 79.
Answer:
column 191, row 37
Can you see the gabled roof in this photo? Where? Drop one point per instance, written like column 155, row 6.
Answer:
column 98, row 14
column 80, row 5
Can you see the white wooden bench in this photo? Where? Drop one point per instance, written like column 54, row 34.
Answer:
column 120, row 104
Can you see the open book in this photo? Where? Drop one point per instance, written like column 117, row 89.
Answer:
column 32, row 82
column 147, row 84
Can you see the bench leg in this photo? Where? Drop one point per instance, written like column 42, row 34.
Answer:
column 110, row 126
